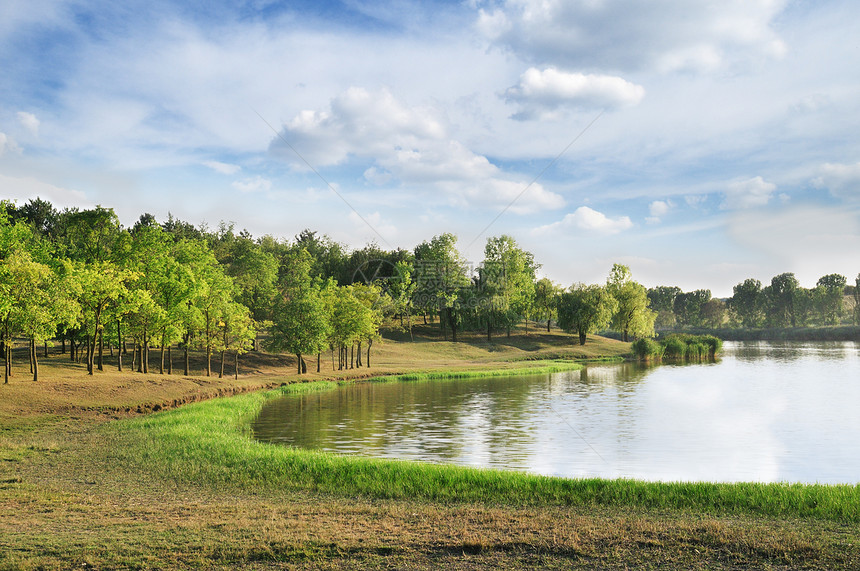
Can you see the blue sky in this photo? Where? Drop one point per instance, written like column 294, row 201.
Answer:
column 699, row 142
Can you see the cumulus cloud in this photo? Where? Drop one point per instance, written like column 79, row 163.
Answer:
column 589, row 220
column 253, row 184
column 840, row 179
column 409, row 146
column 658, row 209
column 29, row 122
column 223, row 168
column 542, row 94
column 666, row 35
column 749, row 193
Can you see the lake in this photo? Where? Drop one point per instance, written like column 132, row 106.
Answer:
column 764, row 411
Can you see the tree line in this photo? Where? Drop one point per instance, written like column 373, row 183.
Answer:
column 80, row 277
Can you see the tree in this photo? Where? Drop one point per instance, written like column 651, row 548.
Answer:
column 299, row 318
column 662, row 300
column 632, row 316
column 747, row 302
column 713, row 313
column 781, row 300
column 688, row 306
column 238, row 331
column 828, row 298
column 584, row 309
column 856, row 296
column 508, row 279
column 100, row 285
column 441, row 278
column 546, row 299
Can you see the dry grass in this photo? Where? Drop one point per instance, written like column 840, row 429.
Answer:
column 65, row 503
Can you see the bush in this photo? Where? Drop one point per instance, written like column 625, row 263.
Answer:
column 647, row 349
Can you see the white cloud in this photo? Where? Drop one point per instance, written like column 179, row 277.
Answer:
column 542, row 94
column 223, row 168
column 658, row 209
column 374, row 226
column 840, row 179
column 7, row 144
column 749, row 193
column 585, row 218
column 409, row 146
column 253, row 184
column 666, row 35
column 26, row 188
column 29, row 122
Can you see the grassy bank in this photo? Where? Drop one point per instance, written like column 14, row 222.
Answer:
column 87, row 481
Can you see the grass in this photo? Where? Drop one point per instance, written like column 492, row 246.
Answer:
column 87, row 481
column 210, row 442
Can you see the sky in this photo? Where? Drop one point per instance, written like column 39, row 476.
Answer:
column 700, row 143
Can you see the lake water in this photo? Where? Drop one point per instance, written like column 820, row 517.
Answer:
column 764, row 412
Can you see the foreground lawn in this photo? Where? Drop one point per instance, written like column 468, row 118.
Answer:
column 189, row 488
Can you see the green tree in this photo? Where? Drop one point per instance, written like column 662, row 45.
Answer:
column 781, row 297
column 508, row 279
column 100, row 285
column 632, row 316
column 299, row 320
column 441, row 278
column 546, row 299
column 585, row 309
column 747, row 302
column 662, row 300
column 829, row 292
column 688, row 306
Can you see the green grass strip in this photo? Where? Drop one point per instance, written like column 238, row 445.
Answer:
column 210, row 443
column 551, row 367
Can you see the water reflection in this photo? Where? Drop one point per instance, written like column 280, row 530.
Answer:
column 765, row 412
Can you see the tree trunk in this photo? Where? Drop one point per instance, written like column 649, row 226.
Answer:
column 119, row 344
column 35, row 362
column 548, row 321
column 236, row 366
column 144, row 352
column 187, row 341
column 101, row 350
column 319, row 358
column 358, row 358
column 31, row 350
column 453, row 325
column 90, row 348
column 221, row 372
column 582, row 338
column 369, row 345
column 299, row 363
column 352, row 356
column 138, row 350
column 304, row 366
column 63, row 345
column 208, row 360
column 169, row 361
